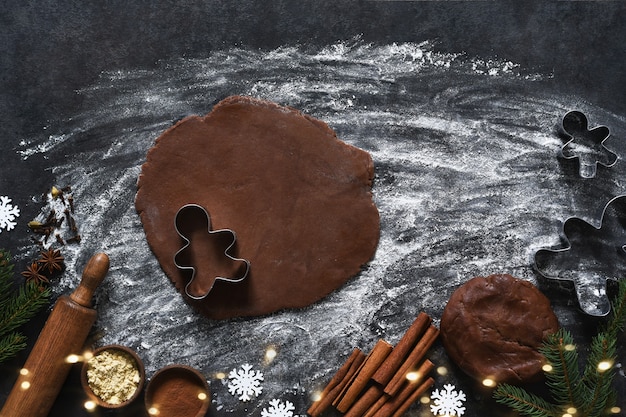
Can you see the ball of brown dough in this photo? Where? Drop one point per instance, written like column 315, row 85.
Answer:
column 493, row 326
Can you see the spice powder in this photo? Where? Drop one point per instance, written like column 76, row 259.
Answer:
column 113, row 376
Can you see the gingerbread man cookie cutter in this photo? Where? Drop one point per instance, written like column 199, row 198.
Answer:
column 586, row 145
column 206, row 253
column 590, row 256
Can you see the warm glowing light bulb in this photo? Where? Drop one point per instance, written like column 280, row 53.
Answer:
column 567, row 415
column 547, row 367
column 571, row 410
column 153, row 411
column 413, row 376
column 316, row 396
column 569, row 347
column 424, row 400
column 87, row 355
column 442, row 370
column 72, row 358
column 604, row 366
column 89, row 405
column 220, row 375
column 202, row 396
column 488, row 382
column 24, row 371
column 270, row 354
column 25, row 385
column 615, row 410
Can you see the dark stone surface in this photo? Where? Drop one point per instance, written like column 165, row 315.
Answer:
column 462, row 130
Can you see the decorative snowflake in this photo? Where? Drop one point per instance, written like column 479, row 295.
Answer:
column 448, row 402
column 278, row 409
column 245, row 382
column 8, row 213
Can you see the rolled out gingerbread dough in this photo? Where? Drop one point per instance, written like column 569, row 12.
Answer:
column 298, row 199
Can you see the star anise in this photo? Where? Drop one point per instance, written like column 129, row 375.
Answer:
column 33, row 273
column 51, row 260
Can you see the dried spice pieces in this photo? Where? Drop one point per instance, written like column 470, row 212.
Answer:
column 33, row 274
column 45, row 267
column 385, row 382
column 52, row 261
column 113, row 376
column 59, row 222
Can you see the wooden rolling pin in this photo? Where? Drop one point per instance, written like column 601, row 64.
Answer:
column 64, row 334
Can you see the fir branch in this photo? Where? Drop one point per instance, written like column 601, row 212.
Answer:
column 524, row 402
column 618, row 321
column 564, row 378
column 597, row 379
column 16, row 308
column 22, row 307
column 11, row 345
column 6, row 276
column 599, row 371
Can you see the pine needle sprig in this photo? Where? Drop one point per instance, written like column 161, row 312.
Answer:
column 16, row 308
column 20, row 308
column 525, row 402
column 11, row 345
column 599, row 371
column 617, row 324
column 592, row 394
column 564, row 378
column 6, row 275
column 598, row 376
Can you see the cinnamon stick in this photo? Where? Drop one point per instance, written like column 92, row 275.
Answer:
column 410, row 385
column 371, row 412
column 393, row 362
column 413, row 397
column 416, row 355
column 371, row 395
column 337, row 383
column 354, row 388
column 407, row 396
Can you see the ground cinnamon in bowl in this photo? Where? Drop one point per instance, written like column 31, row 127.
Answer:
column 177, row 391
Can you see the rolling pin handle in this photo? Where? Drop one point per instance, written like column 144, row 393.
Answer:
column 93, row 274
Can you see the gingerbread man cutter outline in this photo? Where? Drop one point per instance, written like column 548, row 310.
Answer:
column 586, row 145
column 194, row 216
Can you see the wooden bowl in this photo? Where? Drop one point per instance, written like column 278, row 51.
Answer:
column 177, row 391
column 121, row 354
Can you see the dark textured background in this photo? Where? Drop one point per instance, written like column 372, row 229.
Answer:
column 69, row 68
column 49, row 49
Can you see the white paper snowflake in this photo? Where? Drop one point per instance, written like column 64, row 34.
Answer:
column 278, row 409
column 8, row 213
column 448, row 402
column 245, row 382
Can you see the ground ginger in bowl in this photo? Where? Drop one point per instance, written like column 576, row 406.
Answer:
column 113, row 376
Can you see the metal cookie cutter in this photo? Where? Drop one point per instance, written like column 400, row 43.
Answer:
column 206, row 253
column 586, row 145
column 591, row 256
